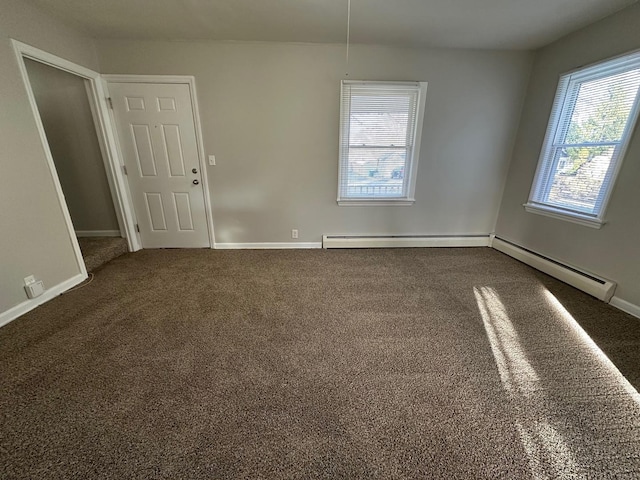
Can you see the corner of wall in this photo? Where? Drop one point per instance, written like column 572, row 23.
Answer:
column 512, row 149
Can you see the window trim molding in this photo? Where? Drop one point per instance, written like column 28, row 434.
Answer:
column 573, row 217
column 557, row 113
column 409, row 199
column 377, row 202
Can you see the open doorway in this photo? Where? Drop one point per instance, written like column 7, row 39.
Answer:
column 92, row 127
column 68, row 121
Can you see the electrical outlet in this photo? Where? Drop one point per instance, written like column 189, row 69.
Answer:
column 294, row 233
column 34, row 288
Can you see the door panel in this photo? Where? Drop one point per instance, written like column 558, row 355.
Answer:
column 157, row 135
column 144, row 150
column 183, row 211
column 173, row 150
column 157, row 218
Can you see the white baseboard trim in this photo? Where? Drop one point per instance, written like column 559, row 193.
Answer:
column 28, row 305
column 98, row 233
column 595, row 286
column 628, row 307
column 400, row 241
column 267, row 245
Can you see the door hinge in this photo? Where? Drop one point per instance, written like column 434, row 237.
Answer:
column 110, row 102
column 137, row 228
column 124, row 169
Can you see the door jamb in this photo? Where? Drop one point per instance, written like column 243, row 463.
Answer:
column 190, row 81
column 106, row 138
column 105, row 161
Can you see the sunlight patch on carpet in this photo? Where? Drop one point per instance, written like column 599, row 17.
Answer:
column 546, row 448
column 593, row 347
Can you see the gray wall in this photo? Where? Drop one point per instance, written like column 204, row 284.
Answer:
column 34, row 238
column 66, row 115
column 270, row 115
column 614, row 251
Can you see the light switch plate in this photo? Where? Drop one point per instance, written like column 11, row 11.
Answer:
column 212, row 159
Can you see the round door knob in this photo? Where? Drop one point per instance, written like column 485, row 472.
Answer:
column 195, row 170
column 196, row 182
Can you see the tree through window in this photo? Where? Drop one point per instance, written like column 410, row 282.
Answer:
column 593, row 115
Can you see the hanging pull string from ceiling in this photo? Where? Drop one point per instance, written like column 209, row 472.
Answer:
column 346, row 74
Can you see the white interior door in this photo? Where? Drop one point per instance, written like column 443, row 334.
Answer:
column 157, row 135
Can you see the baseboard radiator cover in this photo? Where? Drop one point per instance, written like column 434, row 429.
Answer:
column 404, row 241
column 595, row 286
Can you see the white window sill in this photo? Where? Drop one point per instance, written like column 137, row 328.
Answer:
column 559, row 214
column 376, row 202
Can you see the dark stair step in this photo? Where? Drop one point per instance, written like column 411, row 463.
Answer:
column 97, row 251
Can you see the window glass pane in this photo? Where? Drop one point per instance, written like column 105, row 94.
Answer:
column 586, row 139
column 379, row 120
column 378, row 142
column 579, row 176
column 376, row 172
column 602, row 108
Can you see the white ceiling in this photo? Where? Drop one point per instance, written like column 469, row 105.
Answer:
column 487, row 24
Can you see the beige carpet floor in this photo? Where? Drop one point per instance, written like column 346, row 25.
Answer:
column 389, row 364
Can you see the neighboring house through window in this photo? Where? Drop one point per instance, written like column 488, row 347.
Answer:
column 380, row 129
column 593, row 117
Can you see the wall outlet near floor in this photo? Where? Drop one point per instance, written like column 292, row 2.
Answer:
column 294, row 233
column 33, row 287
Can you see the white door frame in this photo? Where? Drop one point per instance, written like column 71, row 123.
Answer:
column 190, row 81
column 106, row 139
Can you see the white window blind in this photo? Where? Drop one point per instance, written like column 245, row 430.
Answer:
column 593, row 116
column 380, row 126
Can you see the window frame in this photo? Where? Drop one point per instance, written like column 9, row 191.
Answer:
column 411, row 165
column 560, row 117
